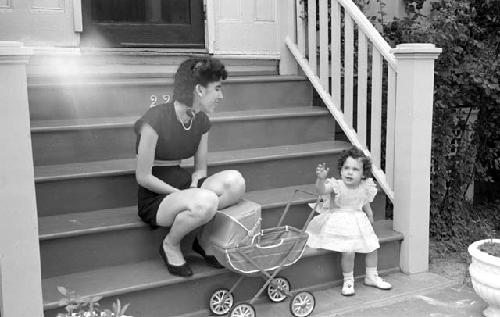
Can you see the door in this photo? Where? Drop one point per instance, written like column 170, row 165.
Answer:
column 143, row 23
column 244, row 26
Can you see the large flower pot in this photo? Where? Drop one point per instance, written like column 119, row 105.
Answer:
column 485, row 276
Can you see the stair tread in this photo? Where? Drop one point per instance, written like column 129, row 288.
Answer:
column 128, row 121
column 163, row 81
column 118, row 280
column 127, row 166
column 73, row 224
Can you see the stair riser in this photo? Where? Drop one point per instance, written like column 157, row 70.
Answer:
column 192, row 296
column 62, row 147
column 92, row 193
column 88, row 252
column 51, row 102
column 41, row 67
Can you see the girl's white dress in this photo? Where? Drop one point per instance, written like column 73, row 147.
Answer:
column 342, row 225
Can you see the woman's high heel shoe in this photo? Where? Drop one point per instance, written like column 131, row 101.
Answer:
column 209, row 259
column 177, row 270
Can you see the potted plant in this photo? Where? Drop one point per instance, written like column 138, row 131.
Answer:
column 79, row 306
column 485, row 273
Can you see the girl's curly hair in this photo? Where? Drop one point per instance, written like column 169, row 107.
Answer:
column 356, row 153
column 196, row 71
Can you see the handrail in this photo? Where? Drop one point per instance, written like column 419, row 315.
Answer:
column 337, row 114
column 370, row 31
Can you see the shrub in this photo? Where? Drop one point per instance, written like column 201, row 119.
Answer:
column 466, row 81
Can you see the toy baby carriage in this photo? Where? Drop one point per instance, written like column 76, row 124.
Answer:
column 235, row 238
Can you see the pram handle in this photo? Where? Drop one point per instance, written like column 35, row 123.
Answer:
column 270, row 246
column 290, row 203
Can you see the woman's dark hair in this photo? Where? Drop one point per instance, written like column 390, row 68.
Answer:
column 356, row 153
column 196, row 71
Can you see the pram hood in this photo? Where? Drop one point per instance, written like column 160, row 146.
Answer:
column 232, row 227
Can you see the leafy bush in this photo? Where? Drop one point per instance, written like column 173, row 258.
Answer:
column 80, row 306
column 466, row 81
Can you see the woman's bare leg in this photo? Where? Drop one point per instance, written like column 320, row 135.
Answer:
column 229, row 186
column 183, row 212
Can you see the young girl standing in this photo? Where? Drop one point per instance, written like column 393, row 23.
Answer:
column 345, row 220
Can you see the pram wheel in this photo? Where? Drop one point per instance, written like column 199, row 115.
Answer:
column 221, row 301
column 302, row 304
column 242, row 310
column 278, row 289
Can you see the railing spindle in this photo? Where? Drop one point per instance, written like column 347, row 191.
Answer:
column 323, row 43
column 311, row 22
column 348, row 68
column 335, row 47
column 391, row 117
column 376, row 103
column 362, row 84
column 301, row 27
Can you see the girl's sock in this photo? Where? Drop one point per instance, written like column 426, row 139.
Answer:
column 348, row 275
column 371, row 271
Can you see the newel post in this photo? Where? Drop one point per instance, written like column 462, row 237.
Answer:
column 21, row 291
column 287, row 20
column 413, row 130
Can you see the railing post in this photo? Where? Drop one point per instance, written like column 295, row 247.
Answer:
column 288, row 28
column 19, row 247
column 413, row 129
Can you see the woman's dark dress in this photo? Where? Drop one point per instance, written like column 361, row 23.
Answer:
column 174, row 143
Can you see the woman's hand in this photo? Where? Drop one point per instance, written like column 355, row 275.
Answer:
column 322, row 171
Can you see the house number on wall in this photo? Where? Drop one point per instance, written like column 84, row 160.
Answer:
column 154, row 100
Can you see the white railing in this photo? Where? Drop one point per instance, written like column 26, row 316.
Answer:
column 350, row 32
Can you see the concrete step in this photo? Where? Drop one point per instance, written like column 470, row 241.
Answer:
column 152, row 291
column 108, row 184
column 59, row 63
column 91, row 98
column 77, row 242
column 97, row 139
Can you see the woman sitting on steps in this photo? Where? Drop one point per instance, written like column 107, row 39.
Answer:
column 168, row 195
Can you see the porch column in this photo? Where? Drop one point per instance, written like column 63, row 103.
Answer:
column 21, row 290
column 413, row 129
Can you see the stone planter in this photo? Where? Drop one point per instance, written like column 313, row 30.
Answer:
column 485, row 276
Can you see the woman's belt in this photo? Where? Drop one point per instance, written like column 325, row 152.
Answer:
column 167, row 162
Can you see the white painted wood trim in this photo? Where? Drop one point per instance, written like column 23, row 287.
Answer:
column 335, row 48
column 301, row 27
column 370, row 31
column 412, row 149
column 376, row 109
column 210, row 25
column 21, row 280
column 311, row 28
column 337, row 114
column 348, row 68
column 323, row 43
column 391, row 118
column 362, row 86
column 77, row 16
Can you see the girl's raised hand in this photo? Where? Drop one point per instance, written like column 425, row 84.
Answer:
column 322, row 171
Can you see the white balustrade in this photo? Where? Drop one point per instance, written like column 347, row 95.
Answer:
column 406, row 102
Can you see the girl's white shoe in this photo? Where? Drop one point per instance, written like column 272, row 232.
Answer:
column 377, row 281
column 348, row 287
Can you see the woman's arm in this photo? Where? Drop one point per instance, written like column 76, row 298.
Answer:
column 145, row 159
column 200, row 161
column 368, row 211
